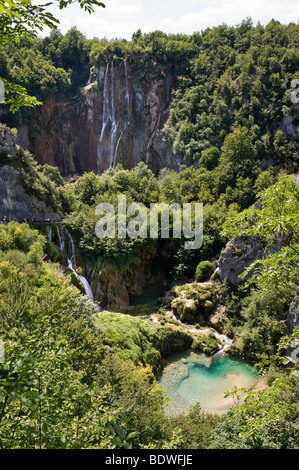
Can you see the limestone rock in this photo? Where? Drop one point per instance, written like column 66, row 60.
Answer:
column 7, row 142
column 195, row 302
column 290, row 127
column 239, row 254
column 15, row 203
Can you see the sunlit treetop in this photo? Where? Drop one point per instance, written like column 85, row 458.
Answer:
column 22, row 17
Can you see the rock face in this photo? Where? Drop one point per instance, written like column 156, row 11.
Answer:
column 113, row 287
column 292, row 351
column 15, row 203
column 289, row 125
column 241, row 253
column 238, row 255
column 7, row 142
column 116, row 118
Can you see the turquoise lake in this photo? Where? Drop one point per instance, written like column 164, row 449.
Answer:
column 152, row 298
column 191, row 377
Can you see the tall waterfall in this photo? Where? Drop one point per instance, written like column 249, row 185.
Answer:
column 152, row 136
column 113, row 127
column 71, row 257
column 162, row 109
column 127, row 114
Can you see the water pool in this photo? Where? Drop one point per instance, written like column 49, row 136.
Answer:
column 191, row 377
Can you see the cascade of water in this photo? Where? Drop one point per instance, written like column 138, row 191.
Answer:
column 110, row 116
column 114, row 123
column 49, row 232
column 224, row 340
column 152, row 136
column 71, row 258
column 127, row 121
column 159, row 116
column 106, row 114
column 61, row 239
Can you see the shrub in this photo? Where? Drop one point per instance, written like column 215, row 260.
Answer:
column 207, row 344
column 203, row 271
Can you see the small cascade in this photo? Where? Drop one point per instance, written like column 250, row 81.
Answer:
column 224, row 341
column 49, row 232
column 71, row 257
column 112, row 127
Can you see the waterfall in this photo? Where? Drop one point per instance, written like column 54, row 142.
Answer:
column 71, row 258
column 152, row 136
column 159, row 116
column 224, row 340
column 111, row 124
column 64, row 160
column 49, row 232
column 127, row 121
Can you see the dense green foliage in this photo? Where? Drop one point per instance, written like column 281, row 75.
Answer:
column 137, row 339
column 59, row 386
column 263, row 306
column 76, row 378
column 21, row 19
column 203, row 271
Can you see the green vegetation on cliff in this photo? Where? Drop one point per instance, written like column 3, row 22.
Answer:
column 59, row 386
column 74, row 377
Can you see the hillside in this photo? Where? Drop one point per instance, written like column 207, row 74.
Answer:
column 88, row 324
column 108, row 102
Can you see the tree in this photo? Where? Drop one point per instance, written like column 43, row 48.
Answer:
column 266, row 420
column 22, row 18
column 237, row 154
column 276, row 221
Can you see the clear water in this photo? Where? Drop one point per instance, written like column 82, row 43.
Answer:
column 152, row 298
column 192, row 377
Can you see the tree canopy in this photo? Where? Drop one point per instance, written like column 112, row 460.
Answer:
column 22, row 18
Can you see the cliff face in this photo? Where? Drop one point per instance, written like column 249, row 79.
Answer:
column 116, row 118
column 239, row 254
column 15, row 202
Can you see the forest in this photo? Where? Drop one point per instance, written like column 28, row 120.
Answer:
column 76, row 374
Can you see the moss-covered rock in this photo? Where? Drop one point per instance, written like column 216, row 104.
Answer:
column 195, row 302
column 204, row 271
column 207, row 344
column 140, row 340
